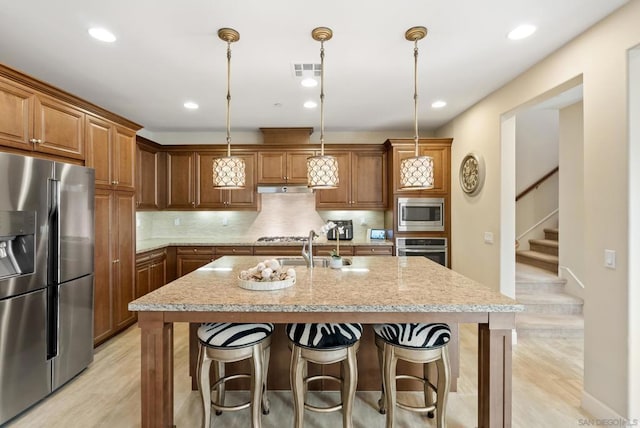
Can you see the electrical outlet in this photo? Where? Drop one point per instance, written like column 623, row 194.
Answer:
column 610, row 259
column 176, row 221
column 488, row 238
column 225, row 221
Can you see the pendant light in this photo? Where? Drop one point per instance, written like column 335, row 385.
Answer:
column 322, row 170
column 228, row 171
column 416, row 173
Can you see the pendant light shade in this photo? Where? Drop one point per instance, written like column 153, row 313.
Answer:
column 229, row 171
column 416, row 172
column 322, row 170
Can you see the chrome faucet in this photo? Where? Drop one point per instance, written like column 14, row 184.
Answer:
column 308, row 245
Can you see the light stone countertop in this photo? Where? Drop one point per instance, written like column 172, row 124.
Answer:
column 370, row 284
column 158, row 243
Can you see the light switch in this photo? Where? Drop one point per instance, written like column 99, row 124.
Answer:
column 488, row 237
column 610, row 259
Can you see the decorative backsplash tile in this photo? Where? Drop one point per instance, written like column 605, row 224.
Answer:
column 281, row 214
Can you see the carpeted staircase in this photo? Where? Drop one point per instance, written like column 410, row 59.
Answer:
column 549, row 310
column 542, row 253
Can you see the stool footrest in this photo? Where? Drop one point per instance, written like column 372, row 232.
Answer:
column 416, row 409
column 322, row 409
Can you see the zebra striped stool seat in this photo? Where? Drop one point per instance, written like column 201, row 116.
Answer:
column 222, row 343
column 419, row 343
column 324, row 344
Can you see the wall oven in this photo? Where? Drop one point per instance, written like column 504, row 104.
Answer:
column 420, row 214
column 432, row 248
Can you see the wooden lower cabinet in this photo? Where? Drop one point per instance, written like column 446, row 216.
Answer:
column 325, row 250
column 151, row 271
column 114, row 262
column 189, row 259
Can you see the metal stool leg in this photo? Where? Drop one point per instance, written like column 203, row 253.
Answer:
column 297, row 385
column 349, row 383
column 204, row 365
column 390, row 363
column 444, row 374
column 257, row 373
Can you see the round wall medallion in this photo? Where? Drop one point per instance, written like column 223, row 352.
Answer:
column 471, row 174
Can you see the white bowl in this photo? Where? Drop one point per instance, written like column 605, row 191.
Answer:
column 266, row 285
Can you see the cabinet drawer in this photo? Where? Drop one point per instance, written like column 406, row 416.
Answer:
column 325, row 250
column 277, row 250
column 375, row 250
column 195, row 250
column 234, row 251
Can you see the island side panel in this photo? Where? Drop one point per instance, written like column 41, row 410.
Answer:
column 156, row 378
column 494, row 371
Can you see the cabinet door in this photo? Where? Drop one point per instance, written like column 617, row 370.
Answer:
column 206, row 195
column 16, row 113
column 103, row 326
column 124, row 264
column 143, row 279
column 124, row 153
column 189, row 259
column 98, row 137
column 341, row 197
column 369, row 180
column 59, row 128
column 272, row 167
column 246, row 198
column 149, row 163
column 180, row 179
column 297, row 166
column 158, row 272
column 441, row 164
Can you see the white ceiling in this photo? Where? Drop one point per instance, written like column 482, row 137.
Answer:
column 168, row 52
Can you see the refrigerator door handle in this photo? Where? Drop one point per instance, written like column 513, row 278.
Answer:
column 53, row 271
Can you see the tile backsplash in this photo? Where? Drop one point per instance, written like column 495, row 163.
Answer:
column 281, row 214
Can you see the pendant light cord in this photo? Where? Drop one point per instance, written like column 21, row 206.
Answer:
column 415, row 96
column 322, row 98
column 228, row 98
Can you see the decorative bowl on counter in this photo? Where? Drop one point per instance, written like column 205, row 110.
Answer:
column 266, row 285
column 267, row 275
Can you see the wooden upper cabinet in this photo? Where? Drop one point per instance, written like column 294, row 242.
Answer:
column 16, row 113
column 180, row 180
column 111, row 152
column 59, row 128
column 35, row 122
column 438, row 148
column 363, row 182
column 150, row 177
column 208, row 197
column 283, row 167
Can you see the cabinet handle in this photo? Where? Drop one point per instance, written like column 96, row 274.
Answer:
column 195, row 250
column 373, row 250
column 193, row 204
column 233, row 250
column 33, row 140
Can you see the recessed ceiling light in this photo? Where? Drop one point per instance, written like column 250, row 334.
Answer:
column 309, row 82
column 102, row 34
column 438, row 104
column 521, row 32
column 310, row 104
column 191, row 105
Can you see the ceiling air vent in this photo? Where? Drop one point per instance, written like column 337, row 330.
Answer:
column 306, row 70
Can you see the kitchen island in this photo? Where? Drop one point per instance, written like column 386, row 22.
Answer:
column 370, row 290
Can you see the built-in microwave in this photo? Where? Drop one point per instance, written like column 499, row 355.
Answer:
column 420, row 214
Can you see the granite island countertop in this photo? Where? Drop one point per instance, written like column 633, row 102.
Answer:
column 369, row 284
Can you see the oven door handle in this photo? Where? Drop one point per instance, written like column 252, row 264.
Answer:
column 426, row 250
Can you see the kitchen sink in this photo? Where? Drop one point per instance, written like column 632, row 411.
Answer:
column 317, row 261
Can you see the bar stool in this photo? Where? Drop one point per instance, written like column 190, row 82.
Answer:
column 417, row 343
column 324, row 344
column 225, row 343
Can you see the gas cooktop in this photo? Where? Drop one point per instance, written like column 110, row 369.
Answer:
column 282, row 239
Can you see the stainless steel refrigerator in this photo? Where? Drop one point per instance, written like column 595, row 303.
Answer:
column 46, row 278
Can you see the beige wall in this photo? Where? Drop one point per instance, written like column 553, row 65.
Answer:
column 599, row 59
column 571, row 198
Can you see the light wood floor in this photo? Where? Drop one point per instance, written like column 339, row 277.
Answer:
column 547, row 384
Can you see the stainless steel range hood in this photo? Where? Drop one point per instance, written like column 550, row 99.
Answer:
column 284, row 188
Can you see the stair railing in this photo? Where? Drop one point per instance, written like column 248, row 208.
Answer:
column 537, row 183
column 545, row 218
